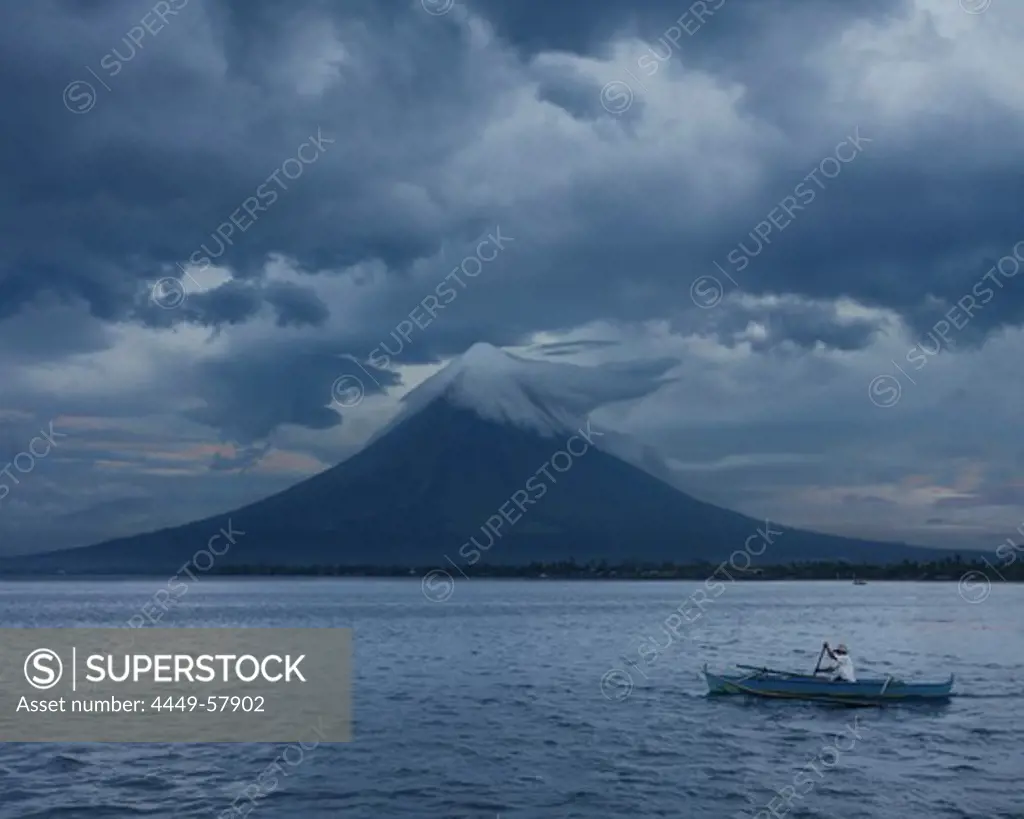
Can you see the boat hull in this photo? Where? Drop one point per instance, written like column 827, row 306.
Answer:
column 799, row 687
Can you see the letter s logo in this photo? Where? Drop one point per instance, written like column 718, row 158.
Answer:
column 39, row 669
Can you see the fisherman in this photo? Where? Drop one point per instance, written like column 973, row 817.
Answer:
column 842, row 671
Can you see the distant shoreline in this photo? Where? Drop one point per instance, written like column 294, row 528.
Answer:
column 951, row 569
column 947, row 571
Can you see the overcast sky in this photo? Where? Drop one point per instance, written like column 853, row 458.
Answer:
column 803, row 212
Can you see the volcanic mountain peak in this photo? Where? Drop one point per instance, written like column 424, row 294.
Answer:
column 472, row 438
column 537, row 395
column 484, row 355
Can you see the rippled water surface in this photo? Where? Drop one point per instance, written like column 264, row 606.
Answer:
column 492, row 703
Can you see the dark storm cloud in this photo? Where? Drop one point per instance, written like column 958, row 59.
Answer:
column 29, row 336
column 537, row 25
column 323, row 133
column 886, row 234
column 234, row 302
column 296, row 305
column 202, row 118
column 169, row 155
column 256, row 390
column 231, row 303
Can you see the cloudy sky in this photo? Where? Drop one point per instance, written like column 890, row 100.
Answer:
column 804, row 211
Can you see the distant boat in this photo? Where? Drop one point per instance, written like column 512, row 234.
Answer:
column 859, row 582
column 767, row 682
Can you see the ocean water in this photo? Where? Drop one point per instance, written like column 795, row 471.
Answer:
column 547, row 699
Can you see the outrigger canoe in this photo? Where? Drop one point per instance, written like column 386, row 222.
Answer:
column 767, row 682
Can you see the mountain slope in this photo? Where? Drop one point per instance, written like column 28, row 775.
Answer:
column 469, row 439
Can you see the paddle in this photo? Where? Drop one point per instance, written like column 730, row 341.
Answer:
column 817, row 665
column 817, row 668
column 772, row 671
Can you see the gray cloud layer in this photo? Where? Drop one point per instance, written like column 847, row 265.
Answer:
column 302, row 176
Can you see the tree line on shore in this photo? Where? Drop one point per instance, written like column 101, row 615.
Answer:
column 953, row 567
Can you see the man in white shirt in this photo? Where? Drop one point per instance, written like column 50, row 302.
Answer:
column 842, row 671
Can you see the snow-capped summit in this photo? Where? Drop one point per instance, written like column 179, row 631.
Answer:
column 551, row 398
column 487, row 355
column 501, row 387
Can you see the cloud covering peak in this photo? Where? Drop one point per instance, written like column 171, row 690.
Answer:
column 547, row 397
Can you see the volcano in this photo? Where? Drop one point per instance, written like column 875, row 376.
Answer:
column 492, row 459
